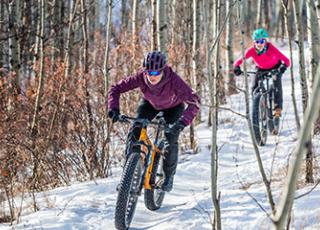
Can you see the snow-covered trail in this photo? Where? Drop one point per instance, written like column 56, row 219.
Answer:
column 91, row 205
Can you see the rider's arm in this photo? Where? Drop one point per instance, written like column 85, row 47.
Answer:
column 281, row 56
column 189, row 97
column 248, row 54
column 125, row 85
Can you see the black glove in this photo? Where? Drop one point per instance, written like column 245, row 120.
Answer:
column 114, row 115
column 282, row 68
column 237, row 71
column 177, row 127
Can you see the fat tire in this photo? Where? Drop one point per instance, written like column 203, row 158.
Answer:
column 260, row 139
column 153, row 198
column 131, row 174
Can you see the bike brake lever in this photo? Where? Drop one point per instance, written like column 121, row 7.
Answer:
column 123, row 118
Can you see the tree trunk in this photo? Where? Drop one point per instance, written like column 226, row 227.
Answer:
column 259, row 14
column 34, row 126
column 229, row 53
column 303, row 82
column 124, row 15
column 261, row 168
column 92, row 164
column 293, row 97
column 154, row 25
column 301, row 149
column 2, row 28
column 135, row 31
column 213, row 102
column 314, row 49
column 174, row 22
column 14, row 46
column 195, row 55
column 105, row 152
column 162, row 25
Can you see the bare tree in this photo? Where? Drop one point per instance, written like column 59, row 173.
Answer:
column 303, row 82
column 124, row 15
column 314, row 47
column 294, row 101
column 162, row 26
column 14, row 46
column 154, row 25
column 41, row 69
column 259, row 14
column 260, row 164
column 135, row 34
column 196, row 80
column 213, row 103
column 302, row 147
column 105, row 151
column 229, row 52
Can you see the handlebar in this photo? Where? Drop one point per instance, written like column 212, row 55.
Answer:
column 160, row 121
column 263, row 73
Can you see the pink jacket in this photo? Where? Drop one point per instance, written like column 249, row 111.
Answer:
column 267, row 60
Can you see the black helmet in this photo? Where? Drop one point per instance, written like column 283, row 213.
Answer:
column 154, row 61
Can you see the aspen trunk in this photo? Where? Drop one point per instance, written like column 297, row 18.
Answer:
column 196, row 82
column 14, row 47
column 314, row 49
column 92, row 158
column 229, row 53
column 293, row 97
column 259, row 14
column 213, row 102
column 302, row 146
column 162, row 25
column 124, row 15
column 154, row 25
column 259, row 160
column 174, row 22
column 105, row 152
column 34, row 126
column 303, row 82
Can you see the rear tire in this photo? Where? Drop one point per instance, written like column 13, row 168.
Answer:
column 260, row 119
column 153, row 198
column 128, row 191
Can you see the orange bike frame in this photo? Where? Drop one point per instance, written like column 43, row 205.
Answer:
column 144, row 137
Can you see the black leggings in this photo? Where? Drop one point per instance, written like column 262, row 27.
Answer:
column 147, row 111
column 278, row 98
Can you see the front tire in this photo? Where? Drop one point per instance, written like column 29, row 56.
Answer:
column 153, row 198
column 128, row 191
column 260, row 118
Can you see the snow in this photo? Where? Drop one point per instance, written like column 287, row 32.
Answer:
column 91, row 205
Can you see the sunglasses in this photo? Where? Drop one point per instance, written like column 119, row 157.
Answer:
column 153, row 73
column 260, row 41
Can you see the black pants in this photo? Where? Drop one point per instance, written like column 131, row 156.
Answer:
column 278, row 98
column 145, row 110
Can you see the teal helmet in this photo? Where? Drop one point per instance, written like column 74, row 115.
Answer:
column 259, row 34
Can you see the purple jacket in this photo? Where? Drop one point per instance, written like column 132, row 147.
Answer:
column 169, row 92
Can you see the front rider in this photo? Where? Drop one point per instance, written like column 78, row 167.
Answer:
column 266, row 57
column 163, row 90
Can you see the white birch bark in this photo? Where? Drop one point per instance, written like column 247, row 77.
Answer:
column 213, row 102
column 229, row 52
column 162, row 26
column 294, row 101
column 259, row 14
column 259, row 160
column 195, row 51
column 154, row 25
column 41, row 70
column 303, row 82
column 301, row 149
